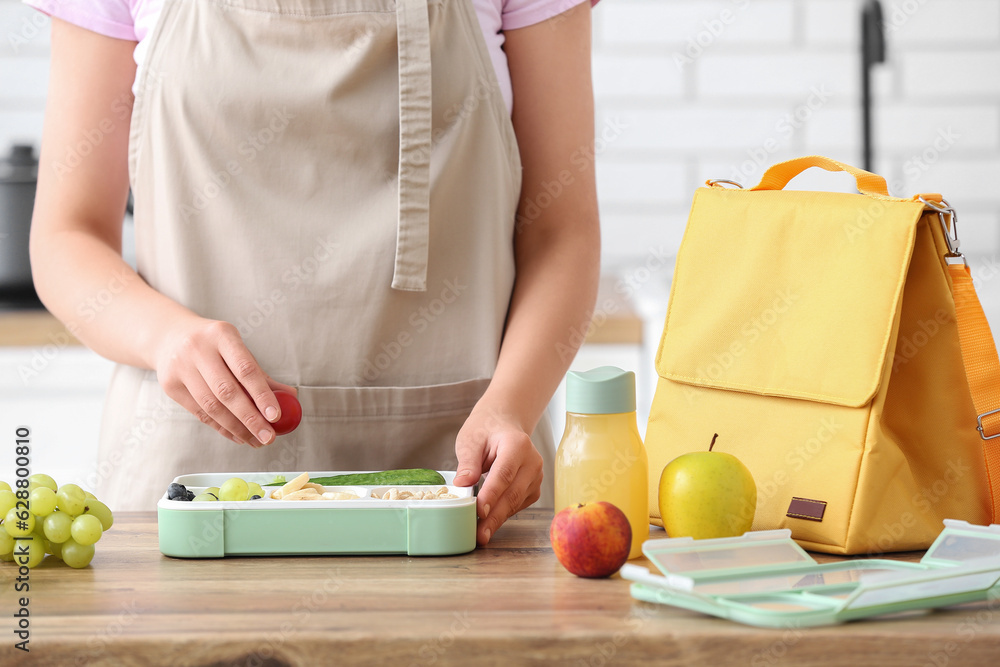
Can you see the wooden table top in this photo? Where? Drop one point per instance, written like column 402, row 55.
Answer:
column 510, row 603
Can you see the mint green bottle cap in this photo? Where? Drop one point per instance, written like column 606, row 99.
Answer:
column 602, row 391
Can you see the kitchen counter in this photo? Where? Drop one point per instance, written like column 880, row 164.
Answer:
column 33, row 328
column 615, row 322
column 510, row 603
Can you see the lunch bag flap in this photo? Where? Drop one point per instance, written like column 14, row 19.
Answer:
column 788, row 293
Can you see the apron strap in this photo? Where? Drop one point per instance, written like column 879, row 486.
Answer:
column 413, row 227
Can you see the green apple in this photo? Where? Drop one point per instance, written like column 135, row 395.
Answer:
column 707, row 494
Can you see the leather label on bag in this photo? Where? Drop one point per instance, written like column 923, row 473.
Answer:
column 804, row 508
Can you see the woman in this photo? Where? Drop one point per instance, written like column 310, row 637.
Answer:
column 325, row 202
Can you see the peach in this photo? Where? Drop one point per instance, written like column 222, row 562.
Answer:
column 591, row 539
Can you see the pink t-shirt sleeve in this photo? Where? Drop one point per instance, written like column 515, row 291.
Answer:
column 522, row 13
column 112, row 18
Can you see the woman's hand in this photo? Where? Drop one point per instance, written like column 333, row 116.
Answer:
column 205, row 366
column 491, row 441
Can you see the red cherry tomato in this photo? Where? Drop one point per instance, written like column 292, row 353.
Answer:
column 291, row 412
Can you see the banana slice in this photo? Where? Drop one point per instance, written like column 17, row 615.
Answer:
column 339, row 495
column 292, row 486
column 303, row 494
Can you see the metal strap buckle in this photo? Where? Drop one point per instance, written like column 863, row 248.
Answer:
column 979, row 427
column 950, row 234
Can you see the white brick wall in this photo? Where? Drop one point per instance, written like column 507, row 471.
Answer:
column 647, row 77
column 744, row 100
column 954, row 22
column 692, row 89
column 656, row 23
column 19, row 125
column 24, row 30
column 24, row 46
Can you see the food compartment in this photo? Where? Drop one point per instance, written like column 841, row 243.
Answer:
column 358, row 493
column 404, row 524
column 341, row 494
column 424, row 493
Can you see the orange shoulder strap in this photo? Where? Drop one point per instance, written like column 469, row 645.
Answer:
column 982, row 366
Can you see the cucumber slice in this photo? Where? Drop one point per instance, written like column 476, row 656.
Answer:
column 406, row 477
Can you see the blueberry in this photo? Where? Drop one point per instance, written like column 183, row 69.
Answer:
column 176, row 491
column 254, row 497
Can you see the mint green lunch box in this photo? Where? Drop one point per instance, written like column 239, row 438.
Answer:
column 268, row 527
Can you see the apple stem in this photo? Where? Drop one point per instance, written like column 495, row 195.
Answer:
column 713, row 442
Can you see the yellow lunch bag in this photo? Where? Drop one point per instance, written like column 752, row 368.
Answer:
column 835, row 344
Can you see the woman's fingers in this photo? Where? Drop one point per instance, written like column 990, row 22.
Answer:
column 274, row 384
column 510, row 502
column 229, row 391
column 209, row 403
column 213, row 375
column 254, row 383
column 183, row 397
column 512, row 484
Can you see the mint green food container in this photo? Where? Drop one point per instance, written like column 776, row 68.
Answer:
column 765, row 579
column 268, row 527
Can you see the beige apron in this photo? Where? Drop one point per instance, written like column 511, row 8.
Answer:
column 296, row 174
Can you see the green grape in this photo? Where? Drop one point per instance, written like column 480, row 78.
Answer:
column 38, row 479
column 42, row 501
column 86, row 529
column 71, row 499
column 214, row 490
column 39, row 536
column 57, row 526
column 234, row 489
column 101, row 511
column 29, row 553
column 6, row 543
column 7, row 501
column 255, row 490
column 204, row 497
column 4, row 486
column 7, row 558
column 77, row 555
column 55, row 548
column 19, row 522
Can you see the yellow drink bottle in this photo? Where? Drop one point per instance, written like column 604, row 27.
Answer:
column 601, row 456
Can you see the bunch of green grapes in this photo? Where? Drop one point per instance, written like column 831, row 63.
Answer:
column 64, row 521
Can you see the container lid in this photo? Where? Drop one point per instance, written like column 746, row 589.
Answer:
column 760, row 551
column 606, row 390
column 765, row 579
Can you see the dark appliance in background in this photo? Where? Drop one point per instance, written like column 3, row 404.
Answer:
column 18, row 178
column 872, row 52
